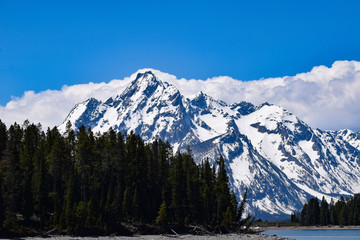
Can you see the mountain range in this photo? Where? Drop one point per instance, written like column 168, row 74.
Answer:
column 280, row 159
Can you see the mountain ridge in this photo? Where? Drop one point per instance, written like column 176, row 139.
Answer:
column 267, row 149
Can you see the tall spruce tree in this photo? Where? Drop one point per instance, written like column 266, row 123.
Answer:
column 208, row 195
column 324, row 212
column 3, row 139
column 178, row 188
column 55, row 159
column 222, row 190
column 332, row 212
column 314, row 211
column 13, row 177
column 3, row 142
column 192, row 203
column 162, row 215
column 82, row 162
column 30, row 143
column 40, row 182
column 305, row 215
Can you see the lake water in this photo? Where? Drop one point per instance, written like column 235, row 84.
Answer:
column 316, row 234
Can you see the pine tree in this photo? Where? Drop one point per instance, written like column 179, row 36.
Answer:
column 222, row 190
column 70, row 151
column 340, row 211
column 178, row 188
column 241, row 208
column 12, row 172
column 2, row 206
column 161, row 219
column 324, row 212
column 332, row 212
column 305, row 215
column 342, row 216
column 154, row 188
column 314, row 211
column 82, row 162
column 3, row 139
column 294, row 217
column 135, row 205
column 80, row 215
column 56, row 169
column 164, row 158
column 355, row 210
column 207, row 192
column 30, row 143
column 40, row 182
column 69, row 203
column 127, row 202
column 227, row 219
column 192, row 202
column 3, row 143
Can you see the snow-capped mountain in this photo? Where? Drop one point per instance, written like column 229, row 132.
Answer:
column 279, row 158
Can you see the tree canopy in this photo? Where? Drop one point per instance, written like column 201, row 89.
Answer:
column 88, row 183
column 343, row 212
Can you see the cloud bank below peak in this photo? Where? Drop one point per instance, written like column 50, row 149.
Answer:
column 325, row 98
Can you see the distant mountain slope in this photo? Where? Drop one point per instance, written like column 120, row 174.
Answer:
column 279, row 158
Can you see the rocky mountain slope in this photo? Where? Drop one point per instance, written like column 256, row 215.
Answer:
column 279, row 158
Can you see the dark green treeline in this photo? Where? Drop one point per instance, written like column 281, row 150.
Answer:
column 343, row 212
column 91, row 183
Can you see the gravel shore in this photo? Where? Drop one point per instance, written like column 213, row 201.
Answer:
column 172, row 237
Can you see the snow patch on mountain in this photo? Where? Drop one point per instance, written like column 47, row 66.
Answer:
column 307, row 147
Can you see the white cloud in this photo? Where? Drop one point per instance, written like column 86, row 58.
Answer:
column 52, row 106
column 326, row 98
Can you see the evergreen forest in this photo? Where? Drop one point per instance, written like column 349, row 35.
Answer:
column 86, row 183
column 343, row 212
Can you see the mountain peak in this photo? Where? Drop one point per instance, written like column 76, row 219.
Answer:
column 202, row 100
column 144, row 74
column 147, row 77
column 199, row 100
column 145, row 83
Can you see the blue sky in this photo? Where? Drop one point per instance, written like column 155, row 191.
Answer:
column 47, row 44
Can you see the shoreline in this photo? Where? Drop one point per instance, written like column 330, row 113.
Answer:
column 259, row 235
column 231, row 236
column 262, row 229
